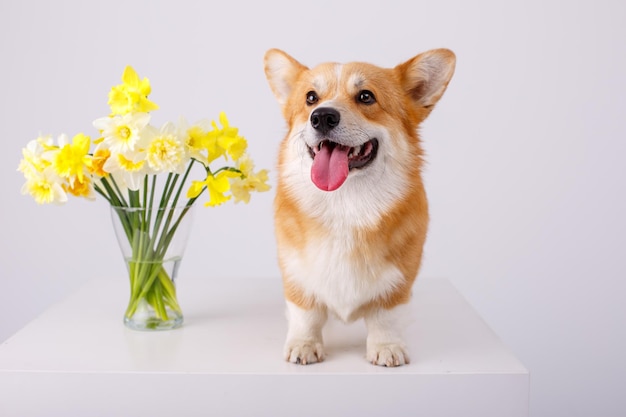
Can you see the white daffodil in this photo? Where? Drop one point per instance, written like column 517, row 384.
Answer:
column 128, row 169
column 33, row 161
column 165, row 149
column 122, row 133
column 45, row 187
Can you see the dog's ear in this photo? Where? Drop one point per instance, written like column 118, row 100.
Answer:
column 281, row 71
column 426, row 76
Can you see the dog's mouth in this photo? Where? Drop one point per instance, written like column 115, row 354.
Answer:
column 332, row 162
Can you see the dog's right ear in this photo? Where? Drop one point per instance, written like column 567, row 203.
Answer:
column 282, row 72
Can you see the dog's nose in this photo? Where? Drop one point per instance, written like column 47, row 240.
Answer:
column 325, row 119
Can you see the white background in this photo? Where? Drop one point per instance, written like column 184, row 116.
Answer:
column 525, row 169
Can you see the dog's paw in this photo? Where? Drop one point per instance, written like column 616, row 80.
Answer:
column 304, row 352
column 389, row 354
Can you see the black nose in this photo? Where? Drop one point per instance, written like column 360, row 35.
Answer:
column 324, row 119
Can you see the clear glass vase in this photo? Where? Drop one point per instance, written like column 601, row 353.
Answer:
column 152, row 242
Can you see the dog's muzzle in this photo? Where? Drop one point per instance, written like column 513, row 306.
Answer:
column 332, row 161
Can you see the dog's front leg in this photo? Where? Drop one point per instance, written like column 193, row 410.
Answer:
column 304, row 338
column 385, row 344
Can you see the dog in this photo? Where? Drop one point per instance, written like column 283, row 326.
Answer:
column 350, row 209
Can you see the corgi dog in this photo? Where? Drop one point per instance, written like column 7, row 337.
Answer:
column 350, row 209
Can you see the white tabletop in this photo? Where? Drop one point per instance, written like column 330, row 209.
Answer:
column 78, row 357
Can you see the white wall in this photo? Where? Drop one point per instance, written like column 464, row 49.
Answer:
column 526, row 154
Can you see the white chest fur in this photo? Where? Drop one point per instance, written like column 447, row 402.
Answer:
column 333, row 270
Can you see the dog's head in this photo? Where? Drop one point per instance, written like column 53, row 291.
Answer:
column 348, row 118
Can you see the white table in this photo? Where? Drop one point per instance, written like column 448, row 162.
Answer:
column 78, row 359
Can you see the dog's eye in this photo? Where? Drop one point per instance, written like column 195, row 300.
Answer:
column 311, row 97
column 366, row 97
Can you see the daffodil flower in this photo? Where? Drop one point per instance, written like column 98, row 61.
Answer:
column 81, row 189
column 241, row 187
column 249, row 181
column 100, row 156
column 122, row 133
column 217, row 186
column 245, row 164
column 45, row 187
column 72, row 159
column 195, row 138
column 165, row 151
column 229, row 140
column 128, row 170
column 213, row 149
column 33, row 162
column 131, row 95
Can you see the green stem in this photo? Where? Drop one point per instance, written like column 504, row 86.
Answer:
column 150, row 235
column 117, row 192
column 165, row 236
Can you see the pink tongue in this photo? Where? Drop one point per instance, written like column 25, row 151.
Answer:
column 330, row 167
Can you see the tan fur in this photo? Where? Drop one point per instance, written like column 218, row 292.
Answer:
column 405, row 95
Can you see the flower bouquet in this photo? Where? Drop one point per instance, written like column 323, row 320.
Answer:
column 145, row 173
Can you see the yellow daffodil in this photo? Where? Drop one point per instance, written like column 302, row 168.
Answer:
column 196, row 137
column 229, row 140
column 72, row 159
column 195, row 189
column 217, row 186
column 213, row 150
column 81, row 189
column 208, row 145
column 100, row 157
column 131, row 95
column 197, row 140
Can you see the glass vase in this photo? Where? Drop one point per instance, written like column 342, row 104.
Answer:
column 152, row 241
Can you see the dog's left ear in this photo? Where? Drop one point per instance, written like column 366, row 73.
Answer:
column 426, row 76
